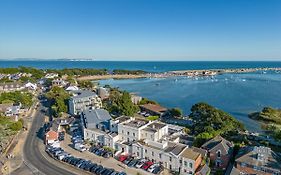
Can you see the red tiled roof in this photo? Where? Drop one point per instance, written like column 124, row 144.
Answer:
column 52, row 135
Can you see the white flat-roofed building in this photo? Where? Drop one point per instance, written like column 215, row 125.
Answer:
column 154, row 131
column 83, row 100
column 130, row 130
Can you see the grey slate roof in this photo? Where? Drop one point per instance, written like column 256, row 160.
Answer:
column 234, row 171
column 204, row 170
column 95, row 116
column 218, row 143
column 175, row 148
column 249, row 155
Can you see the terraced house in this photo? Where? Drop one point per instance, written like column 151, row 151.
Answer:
column 152, row 140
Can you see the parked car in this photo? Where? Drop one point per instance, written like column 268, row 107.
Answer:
column 140, row 163
column 128, row 160
column 157, row 170
column 108, row 154
column 146, row 165
column 80, row 147
column 122, row 173
column 133, row 163
column 152, row 167
column 122, row 158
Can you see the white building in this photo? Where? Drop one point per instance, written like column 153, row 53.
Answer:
column 59, row 82
column 31, row 86
column 130, row 130
column 83, row 100
column 152, row 140
column 135, row 98
column 51, row 75
column 103, row 92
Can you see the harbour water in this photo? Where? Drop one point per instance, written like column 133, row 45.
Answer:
column 238, row 94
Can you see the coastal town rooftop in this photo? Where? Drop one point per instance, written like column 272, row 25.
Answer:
column 189, row 153
column 82, row 94
column 122, row 119
column 153, row 108
column 94, row 117
column 136, row 123
column 154, row 127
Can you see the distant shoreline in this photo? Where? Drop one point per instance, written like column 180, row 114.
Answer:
column 188, row 73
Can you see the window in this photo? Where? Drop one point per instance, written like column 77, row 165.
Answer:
column 170, row 159
column 218, row 164
column 190, row 165
column 145, row 150
column 219, row 153
column 122, row 131
column 160, row 156
column 128, row 133
column 243, row 164
column 138, row 154
column 152, row 153
column 170, row 167
column 134, row 134
column 185, row 163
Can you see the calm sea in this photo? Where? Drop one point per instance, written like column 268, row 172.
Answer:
column 152, row 66
column 238, row 94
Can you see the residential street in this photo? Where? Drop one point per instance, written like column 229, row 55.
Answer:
column 35, row 157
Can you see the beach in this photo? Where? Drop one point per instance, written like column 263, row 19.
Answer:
column 189, row 73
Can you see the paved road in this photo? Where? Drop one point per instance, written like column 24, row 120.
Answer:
column 32, row 155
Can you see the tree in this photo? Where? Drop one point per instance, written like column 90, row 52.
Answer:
column 186, row 130
column 120, row 103
column 86, row 84
column 16, row 126
column 58, row 97
column 202, row 138
column 208, row 119
column 152, row 118
column 147, row 101
column 24, row 98
column 176, row 112
column 125, row 104
column 61, row 106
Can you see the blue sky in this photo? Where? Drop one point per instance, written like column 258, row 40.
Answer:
column 141, row 29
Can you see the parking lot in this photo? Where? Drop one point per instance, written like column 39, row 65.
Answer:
column 109, row 162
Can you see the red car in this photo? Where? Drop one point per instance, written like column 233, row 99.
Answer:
column 122, row 158
column 146, row 165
